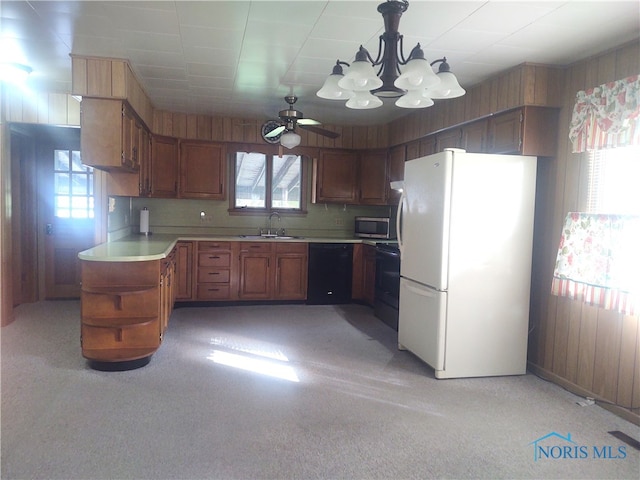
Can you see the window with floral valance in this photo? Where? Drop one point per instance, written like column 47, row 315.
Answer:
column 598, row 260
column 606, row 116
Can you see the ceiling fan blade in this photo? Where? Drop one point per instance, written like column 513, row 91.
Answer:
column 320, row 131
column 308, row 121
column 275, row 132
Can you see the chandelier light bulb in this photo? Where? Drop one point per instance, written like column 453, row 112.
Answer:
column 363, row 100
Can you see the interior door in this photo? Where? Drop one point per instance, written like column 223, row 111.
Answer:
column 66, row 207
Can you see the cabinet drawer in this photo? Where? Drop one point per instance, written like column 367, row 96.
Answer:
column 212, row 275
column 213, row 292
column 110, row 305
column 145, row 335
column 251, row 247
column 291, row 247
column 214, row 259
column 202, row 246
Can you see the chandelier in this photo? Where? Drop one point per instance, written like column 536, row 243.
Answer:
column 414, row 86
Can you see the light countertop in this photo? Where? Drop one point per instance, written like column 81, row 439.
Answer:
column 139, row 248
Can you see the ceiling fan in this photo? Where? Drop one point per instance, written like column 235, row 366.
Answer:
column 273, row 130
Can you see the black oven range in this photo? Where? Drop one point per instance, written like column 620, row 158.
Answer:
column 387, row 286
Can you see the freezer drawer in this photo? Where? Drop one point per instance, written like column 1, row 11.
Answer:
column 422, row 322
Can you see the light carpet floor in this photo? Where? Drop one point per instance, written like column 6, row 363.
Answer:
column 345, row 404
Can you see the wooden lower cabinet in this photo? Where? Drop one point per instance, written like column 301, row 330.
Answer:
column 214, row 271
column 273, row 271
column 364, row 273
column 291, row 271
column 125, row 308
column 184, row 271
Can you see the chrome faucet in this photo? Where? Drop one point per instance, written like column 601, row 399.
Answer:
column 271, row 220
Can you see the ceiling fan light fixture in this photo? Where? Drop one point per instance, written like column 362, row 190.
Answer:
column 290, row 140
column 397, row 76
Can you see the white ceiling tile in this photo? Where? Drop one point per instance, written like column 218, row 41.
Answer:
column 244, row 56
column 228, row 15
column 139, row 17
column 163, row 42
column 211, row 56
column 212, row 37
column 291, row 13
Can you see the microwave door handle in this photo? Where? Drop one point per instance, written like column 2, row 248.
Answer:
column 399, row 221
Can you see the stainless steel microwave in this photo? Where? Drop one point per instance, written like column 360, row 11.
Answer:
column 375, row 227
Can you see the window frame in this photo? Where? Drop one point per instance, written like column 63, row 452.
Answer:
column 268, row 209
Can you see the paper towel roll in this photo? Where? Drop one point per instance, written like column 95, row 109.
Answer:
column 144, row 220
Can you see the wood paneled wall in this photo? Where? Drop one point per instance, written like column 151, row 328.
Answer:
column 592, row 351
column 110, row 78
column 43, row 108
column 526, row 84
column 247, row 130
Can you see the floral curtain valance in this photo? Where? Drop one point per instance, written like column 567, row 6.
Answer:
column 598, row 261
column 606, row 116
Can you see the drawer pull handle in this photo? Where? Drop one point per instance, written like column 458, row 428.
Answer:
column 214, row 289
column 213, row 257
column 214, row 273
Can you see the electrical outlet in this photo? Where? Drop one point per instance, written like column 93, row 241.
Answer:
column 205, row 218
column 339, row 222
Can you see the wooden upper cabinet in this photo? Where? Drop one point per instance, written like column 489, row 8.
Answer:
column 397, row 157
column 164, row 167
column 202, row 170
column 334, row 177
column 525, row 131
column 109, row 135
column 474, row 137
column 448, row 139
column 506, row 132
column 373, row 178
column 144, row 155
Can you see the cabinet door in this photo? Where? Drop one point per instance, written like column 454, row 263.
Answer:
column 164, row 166
column 397, row 157
column 129, row 140
column 505, row 132
column 474, row 137
column 373, row 178
column 202, row 170
column 291, row 271
column 184, row 271
column 145, row 162
column 335, row 177
column 255, row 276
column 101, row 133
column 369, row 273
column 449, row 139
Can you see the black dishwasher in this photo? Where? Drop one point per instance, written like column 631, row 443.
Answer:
column 330, row 267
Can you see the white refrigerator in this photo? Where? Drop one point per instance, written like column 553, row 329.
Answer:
column 465, row 232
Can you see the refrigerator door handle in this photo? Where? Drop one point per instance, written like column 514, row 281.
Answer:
column 399, row 220
column 420, row 291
